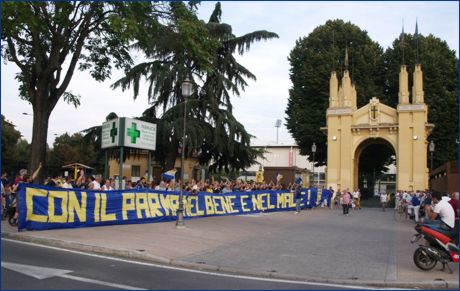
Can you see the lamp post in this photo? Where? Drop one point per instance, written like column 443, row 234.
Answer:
column 431, row 149
column 277, row 125
column 313, row 150
column 186, row 93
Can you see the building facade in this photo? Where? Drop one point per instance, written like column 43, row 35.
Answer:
column 404, row 129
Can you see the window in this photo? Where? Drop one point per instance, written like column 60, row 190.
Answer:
column 135, row 171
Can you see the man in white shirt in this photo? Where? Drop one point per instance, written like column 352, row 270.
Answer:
column 383, row 200
column 96, row 184
column 67, row 184
column 441, row 215
column 407, row 197
column 357, row 198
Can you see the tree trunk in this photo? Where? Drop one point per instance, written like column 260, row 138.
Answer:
column 39, row 138
column 170, row 160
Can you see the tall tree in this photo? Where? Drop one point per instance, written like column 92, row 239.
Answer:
column 440, row 76
column 312, row 60
column 69, row 149
column 15, row 151
column 47, row 40
column 209, row 57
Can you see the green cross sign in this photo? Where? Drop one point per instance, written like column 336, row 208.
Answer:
column 113, row 132
column 133, row 132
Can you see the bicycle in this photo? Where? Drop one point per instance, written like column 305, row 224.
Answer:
column 400, row 212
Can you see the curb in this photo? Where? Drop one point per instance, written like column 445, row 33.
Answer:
column 139, row 256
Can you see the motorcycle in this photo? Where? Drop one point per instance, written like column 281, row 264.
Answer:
column 439, row 247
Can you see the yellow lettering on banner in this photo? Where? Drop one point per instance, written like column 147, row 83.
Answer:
column 215, row 199
column 290, row 200
column 269, row 205
column 154, row 205
column 244, row 204
column 230, row 203
column 280, row 200
column 198, row 211
column 174, row 201
column 209, row 205
column 226, row 205
column 62, row 218
column 189, row 208
column 30, row 194
column 128, row 204
column 97, row 206
column 75, row 207
column 104, row 215
column 257, row 202
column 165, row 202
column 308, row 196
column 144, row 205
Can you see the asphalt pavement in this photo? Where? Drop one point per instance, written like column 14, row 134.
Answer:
column 27, row 266
column 321, row 245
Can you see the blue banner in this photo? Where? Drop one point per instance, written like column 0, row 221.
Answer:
column 42, row 207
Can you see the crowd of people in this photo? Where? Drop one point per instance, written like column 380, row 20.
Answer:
column 348, row 200
column 418, row 204
column 96, row 182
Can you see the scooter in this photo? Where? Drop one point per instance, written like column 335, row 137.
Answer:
column 439, row 247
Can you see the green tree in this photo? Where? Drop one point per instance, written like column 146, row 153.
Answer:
column 69, row 149
column 47, row 40
column 440, row 77
column 14, row 149
column 212, row 130
column 312, row 60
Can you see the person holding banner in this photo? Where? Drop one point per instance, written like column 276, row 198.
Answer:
column 95, row 183
column 26, row 178
column 141, row 184
column 298, row 198
column 107, row 185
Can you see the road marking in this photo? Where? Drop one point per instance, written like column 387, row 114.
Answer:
column 39, row 272
column 204, row 272
column 87, row 280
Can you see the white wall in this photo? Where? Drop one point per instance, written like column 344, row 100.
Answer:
column 279, row 156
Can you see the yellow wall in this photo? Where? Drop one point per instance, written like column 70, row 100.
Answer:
column 142, row 162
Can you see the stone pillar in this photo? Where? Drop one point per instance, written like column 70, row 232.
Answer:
column 403, row 86
column 417, row 89
column 333, row 90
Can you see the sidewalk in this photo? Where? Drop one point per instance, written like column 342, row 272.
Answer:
column 368, row 247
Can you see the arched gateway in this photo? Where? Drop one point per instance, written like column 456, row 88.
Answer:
column 350, row 129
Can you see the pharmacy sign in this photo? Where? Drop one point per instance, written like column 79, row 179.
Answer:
column 129, row 132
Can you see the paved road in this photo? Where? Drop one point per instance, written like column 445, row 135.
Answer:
column 74, row 270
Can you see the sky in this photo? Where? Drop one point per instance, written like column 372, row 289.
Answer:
column 264, row 100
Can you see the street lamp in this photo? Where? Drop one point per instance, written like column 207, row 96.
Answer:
column 186, row 93
column 277, row 125
column 25, row 113
column 313, row 150
column 431, row 149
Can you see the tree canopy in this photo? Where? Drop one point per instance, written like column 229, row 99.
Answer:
column 440, row 80
column 375, row 72
column 212, row 130
column 15, row 150
column 312, row 60
column 49, row 40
